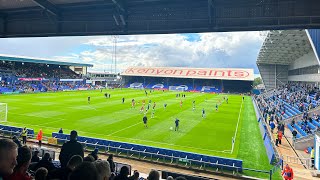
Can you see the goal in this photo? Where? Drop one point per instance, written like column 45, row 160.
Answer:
column 3, row 112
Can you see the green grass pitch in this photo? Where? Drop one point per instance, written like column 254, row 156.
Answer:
column 110, row 119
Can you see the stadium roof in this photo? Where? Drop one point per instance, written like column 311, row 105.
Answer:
column 27, row 18
column 39, row 61
column 284, row 47
column 192, row 73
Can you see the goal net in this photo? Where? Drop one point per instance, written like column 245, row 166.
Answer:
column 3, row 112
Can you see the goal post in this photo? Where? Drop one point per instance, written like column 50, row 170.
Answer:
column 3, row 112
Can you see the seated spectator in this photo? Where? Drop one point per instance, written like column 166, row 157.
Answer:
column 124, row 173
column 41, row 174
column 61, row 131
column 103, row 169
column 35, row 157
column 180, row 178
column 23, row 160
column 85, row 171
column 8, row 155
column 154, row 175
column 63, row 173
column 46, row 163
column 135, row 175
column 88, row 158
column 111, row 163
column 94, row 154
column 70, row 149
column 17, row 141
column 170, row 178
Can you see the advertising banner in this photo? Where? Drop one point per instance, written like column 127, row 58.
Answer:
column 30, row 79
column 196, row 73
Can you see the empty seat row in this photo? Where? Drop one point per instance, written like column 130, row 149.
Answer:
column 226, row 163
column 16, row 130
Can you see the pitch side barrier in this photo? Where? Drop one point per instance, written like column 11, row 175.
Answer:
column 267, row 140
column 14, row 131
column 154, row 153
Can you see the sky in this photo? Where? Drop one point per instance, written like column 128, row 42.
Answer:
column 203, row 50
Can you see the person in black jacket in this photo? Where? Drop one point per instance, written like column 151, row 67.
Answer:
column 111, row 162
column 35, row 157
column 46, row 163
column 70, row 149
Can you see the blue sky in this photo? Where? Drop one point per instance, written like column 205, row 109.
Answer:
column 205, row 50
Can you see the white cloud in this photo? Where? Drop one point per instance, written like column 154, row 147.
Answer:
column 236, row 49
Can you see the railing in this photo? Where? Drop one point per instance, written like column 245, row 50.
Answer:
column 297, row 160
column 277, row 154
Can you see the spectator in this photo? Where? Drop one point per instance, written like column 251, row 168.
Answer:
column 89, row 158
column 103, row 169
column 17, row 141
column 23, row 162
column 35, row 157
column 63, row 173
column 41, row 174
column 70, row 148
column 279, row 136
column 124, row 173
column 154, row 175
column 135, row 175
column 39, row 137
column 312, row 157
column 272, row 126
column 61, row 131
column 170, row 178
column 94, row 154
column 180, row 178
column 276, row 138
column 8, row 155
column 46, row 163
column 294, row 135
column 111, row 162
column 24, row 134
column 287, row 173
column 85, row 171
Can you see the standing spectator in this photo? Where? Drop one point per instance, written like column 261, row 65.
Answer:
column 124, row 173
column 272, row 126
column 46, row 163
column 24, row 134
column 294, row 135
column 154, row 175
column 41, row 174
column 276, row 138
column 8, row 155
column 287, row 173
column 103, row 169
column 16, row 140
column 312, row 157
column 94, row 154
column 111, row 163
column 35, row 157
column 61, row 131
column 279, row 136
column 39, row 137
column 70, row 148
column 23, row 160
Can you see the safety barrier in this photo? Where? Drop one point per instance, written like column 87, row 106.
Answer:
column 154, row 153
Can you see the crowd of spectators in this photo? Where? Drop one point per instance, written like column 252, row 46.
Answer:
column 18, row 162
column 32, row 70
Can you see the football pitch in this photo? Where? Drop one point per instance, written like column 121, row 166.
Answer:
column 109, row 118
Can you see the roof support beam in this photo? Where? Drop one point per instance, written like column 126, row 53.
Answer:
column 48, row 6
column 120, row 5
column 121, row 15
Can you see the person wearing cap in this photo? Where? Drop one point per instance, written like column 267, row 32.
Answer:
column 70, row 148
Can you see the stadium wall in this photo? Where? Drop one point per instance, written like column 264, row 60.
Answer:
column 305, row 61
column 264, row 133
